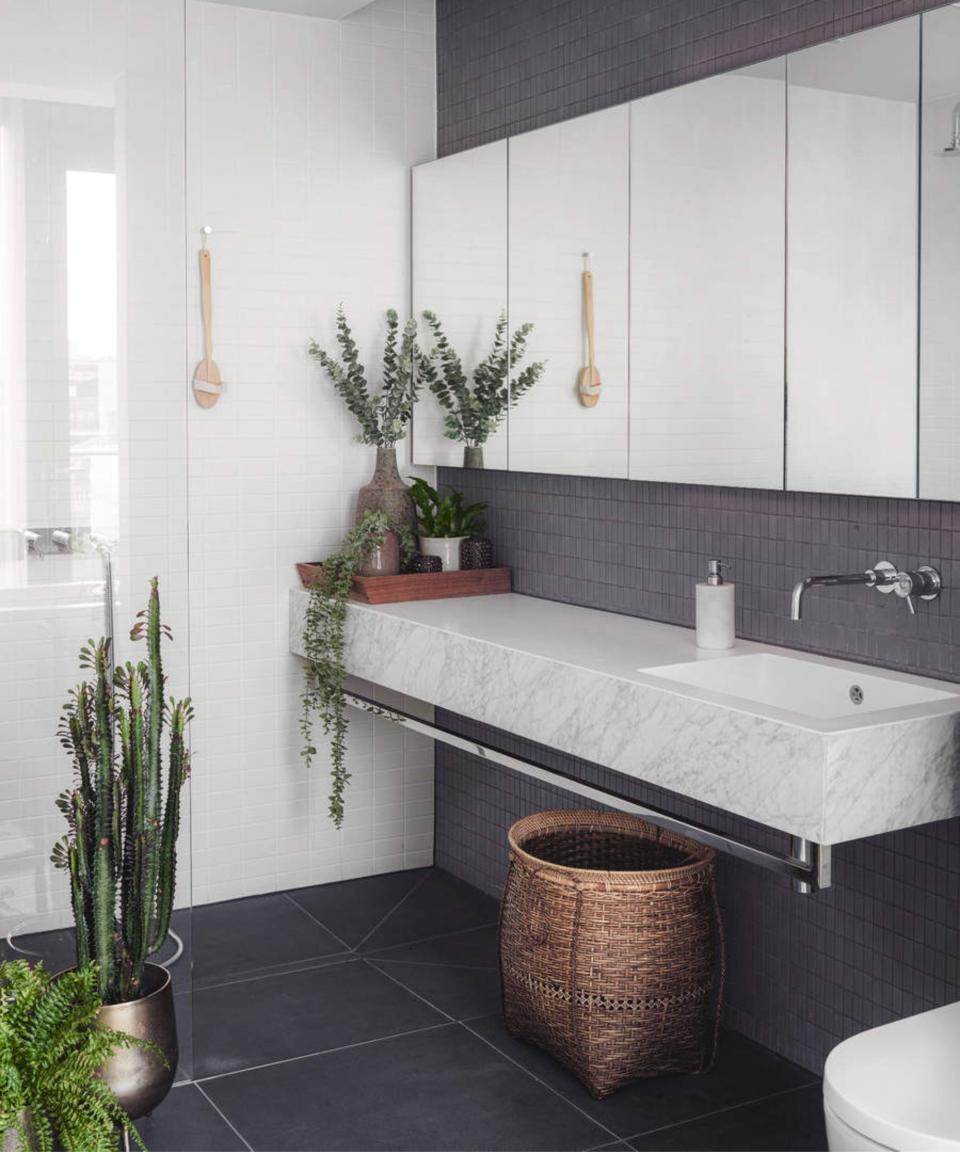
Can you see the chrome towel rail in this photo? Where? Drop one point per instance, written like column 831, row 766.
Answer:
column 807, row 865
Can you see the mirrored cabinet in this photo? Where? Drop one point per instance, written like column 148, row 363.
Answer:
column 852, row 263
column 706, row 281
column 775, row 254
column 460, row 276
column 569, row 213
column 940, row 257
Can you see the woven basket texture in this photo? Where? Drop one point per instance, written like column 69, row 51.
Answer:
column 611, row 947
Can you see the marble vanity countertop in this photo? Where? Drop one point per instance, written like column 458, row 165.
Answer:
column 583, row 681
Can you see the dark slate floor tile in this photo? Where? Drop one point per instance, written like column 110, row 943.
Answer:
column 460, row 992
column 354, row 908
column 477, row 948
column 238, row 937
column 441, row 1089
column 743, row 1072
column 187, row 1122
column 252, row 1022
column 792, row 1122
column 183, row 1006
column 441, row 904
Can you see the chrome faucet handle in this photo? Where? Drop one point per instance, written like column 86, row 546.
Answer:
column 924, row 584
column 885, row 576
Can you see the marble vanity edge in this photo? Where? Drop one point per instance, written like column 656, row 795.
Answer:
column 828, row 787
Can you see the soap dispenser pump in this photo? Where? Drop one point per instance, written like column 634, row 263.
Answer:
column 716, row 626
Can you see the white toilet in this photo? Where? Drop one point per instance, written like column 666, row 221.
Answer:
column 897, row 1086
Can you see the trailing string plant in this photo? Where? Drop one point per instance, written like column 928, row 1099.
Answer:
column 123, row 812
column 383, row 417
column 51, row 1051
column 476, row 406
column 446, row 516
column 323, row 638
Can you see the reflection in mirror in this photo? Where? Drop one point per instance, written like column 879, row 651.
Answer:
column 569, row 195
column 940, row 257
column 707, row 280
column 852, row 263
column 460, row 275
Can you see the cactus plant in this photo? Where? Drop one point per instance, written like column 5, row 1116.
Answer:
column 123, row 812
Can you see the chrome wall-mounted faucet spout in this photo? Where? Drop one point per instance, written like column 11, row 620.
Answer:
column 883, row 576
column 924, row 583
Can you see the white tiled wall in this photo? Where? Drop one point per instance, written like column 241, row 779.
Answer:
column 300, row 136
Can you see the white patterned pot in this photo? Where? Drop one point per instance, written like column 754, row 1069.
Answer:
column 446, row 547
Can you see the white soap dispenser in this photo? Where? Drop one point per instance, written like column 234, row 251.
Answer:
column 716, row 627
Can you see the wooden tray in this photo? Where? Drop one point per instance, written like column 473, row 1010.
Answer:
column 420, row 585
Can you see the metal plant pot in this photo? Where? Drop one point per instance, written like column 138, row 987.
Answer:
column 10, row 1139
column 138, row 1077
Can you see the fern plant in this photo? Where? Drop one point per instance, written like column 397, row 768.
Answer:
column 445, row 516
column 476, row 406
column 123, row 812
column 383, row 417
column 51, row 1050
column 323, row 640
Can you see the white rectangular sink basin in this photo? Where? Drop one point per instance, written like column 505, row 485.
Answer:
column 821, row 691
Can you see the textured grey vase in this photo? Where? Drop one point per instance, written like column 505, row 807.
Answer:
column 473, row 455
column 387, row 492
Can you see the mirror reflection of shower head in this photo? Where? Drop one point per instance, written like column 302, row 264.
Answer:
column 953, row 148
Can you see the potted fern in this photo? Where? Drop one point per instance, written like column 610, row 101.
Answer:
column 383, row 417
column 475, row 407
column 323, row 644
column 445, row 523
column 52, row 1046
column 120, row 849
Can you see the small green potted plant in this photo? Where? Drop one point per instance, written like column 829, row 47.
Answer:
column 383, row 417
column 444, row 523
column 323, row 642
column 120, row 850
column 475, row 407
column 52, row 1048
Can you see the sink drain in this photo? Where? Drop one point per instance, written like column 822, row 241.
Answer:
column 856, row 694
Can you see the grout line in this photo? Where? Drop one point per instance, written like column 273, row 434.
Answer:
column 433, row 964
column 320, row 1052
column 400, row 984
column 300, row 908
column 560, row 1096
column 416, row 887
column 343, row 958
column 427, row 939
column 721, row 1111
column 225, row 1118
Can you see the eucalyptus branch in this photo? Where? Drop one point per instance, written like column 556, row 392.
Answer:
column 475, row 407
column 382, row 417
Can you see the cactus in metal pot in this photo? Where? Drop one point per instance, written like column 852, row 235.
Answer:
column 123, row 812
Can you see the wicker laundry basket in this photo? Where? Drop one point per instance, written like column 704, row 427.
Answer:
column 611, row 947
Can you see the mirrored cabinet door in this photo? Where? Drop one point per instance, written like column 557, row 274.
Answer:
column 852, row 263
column 707, row 281
column 940, row 257
column 569, row 206
column 460, row 275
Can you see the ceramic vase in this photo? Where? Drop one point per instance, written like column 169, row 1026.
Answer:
column 387, row 492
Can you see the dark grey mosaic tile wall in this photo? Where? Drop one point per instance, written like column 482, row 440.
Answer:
column 803, row 972
column 639, row 548
column 883, row 942
column 506, row 66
